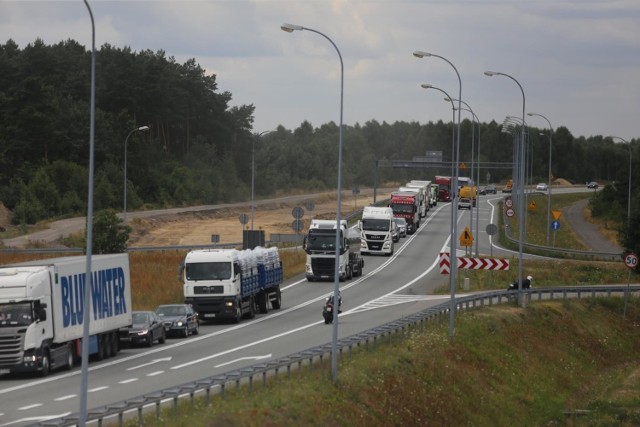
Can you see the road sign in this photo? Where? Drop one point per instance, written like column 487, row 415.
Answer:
column 508, row 202
column 556, row 214
column 215, row 238
column 510, row 212
column 310, row 206
column 466, row 238
column 463, row 166
column 532, row 206
column 555, row 225
column 297, row 212
column 244, row 218
column 492, row 229
column 297, row 225
column 631, row 261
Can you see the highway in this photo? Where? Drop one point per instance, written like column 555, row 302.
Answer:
column 391, row 287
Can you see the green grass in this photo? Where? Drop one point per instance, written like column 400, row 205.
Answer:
column 553, row 363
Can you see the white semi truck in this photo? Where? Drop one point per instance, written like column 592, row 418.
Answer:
column 231, row 284
column 42, row 311
column 432, row 196
column 376, row 230
column 421, row 196
column 319, row 244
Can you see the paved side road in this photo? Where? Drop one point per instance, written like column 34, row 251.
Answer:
column 587, row 231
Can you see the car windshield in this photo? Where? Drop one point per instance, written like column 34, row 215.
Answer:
column 140, row 318
column 171, row 311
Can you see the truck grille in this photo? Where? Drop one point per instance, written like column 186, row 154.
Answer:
column 323, row 266
column 11, row 345
column 207, row 290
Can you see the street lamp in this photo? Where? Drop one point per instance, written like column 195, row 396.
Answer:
column 140, row 129
column 453, row 120
column 253, row 168
column 520, row 179
column 629, row 189
column 549, row 186
column 454, row 224
column 289, row 28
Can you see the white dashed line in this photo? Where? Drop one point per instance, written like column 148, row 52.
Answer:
column 130, row 380
column 153, row 374
column 25, row 408
column 67, row 397
column 93, row 390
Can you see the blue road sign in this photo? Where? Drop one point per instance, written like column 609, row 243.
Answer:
column 555, row 225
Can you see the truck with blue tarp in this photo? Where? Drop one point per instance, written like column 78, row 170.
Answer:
column 42, row 311
column 232, row 284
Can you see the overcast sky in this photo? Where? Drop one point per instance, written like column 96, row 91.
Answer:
column 578, row 61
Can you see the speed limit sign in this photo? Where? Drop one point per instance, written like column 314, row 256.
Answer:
column 631, row 260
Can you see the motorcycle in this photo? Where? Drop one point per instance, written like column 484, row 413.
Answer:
column 526, row 284
column 327, row 311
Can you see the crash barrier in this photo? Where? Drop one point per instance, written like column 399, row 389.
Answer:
column 259, row 372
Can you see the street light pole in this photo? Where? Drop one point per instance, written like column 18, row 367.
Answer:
column 289, row 28
column 629, row 189
column 520, row 179
column 453, row 121
column 549, row 173
column 139, row 129
column 454, row 222
column 253, row 168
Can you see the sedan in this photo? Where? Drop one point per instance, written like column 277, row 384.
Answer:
column 593, row 185
column 178, row 319
column 541, row 187
column 491, row 189
column 146, row 328
column 402, row 226
column 464, row 203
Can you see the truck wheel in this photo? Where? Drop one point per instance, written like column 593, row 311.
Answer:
column 263, row 303
column 238, row 316
column 99, row 355
column 70, row 357
column 45, row 364
column 309, row 279
column 115, row 344
column 252, row 309
column 276, row 303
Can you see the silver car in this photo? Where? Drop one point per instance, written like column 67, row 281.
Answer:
column 401, row 223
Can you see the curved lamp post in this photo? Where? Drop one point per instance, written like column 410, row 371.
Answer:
column 549, row 173
column 289, row 28
column 253, row 168
column 520, row 179
column 453, row 120
column 139, row 129
column 454, row 223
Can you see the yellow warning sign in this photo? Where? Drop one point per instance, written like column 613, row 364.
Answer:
column 556, row 214
column 532, row 206
column 466, row 238
column 463, row 166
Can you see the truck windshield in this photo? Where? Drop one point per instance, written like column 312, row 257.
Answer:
column 400, row 208
column 369, row 224
column 16, row 314
column 321, row 242
column 209, row 271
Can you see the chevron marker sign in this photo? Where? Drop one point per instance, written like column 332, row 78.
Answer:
column 472, row 263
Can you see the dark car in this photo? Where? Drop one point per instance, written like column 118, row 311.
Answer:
column 402, row 226
column 506, row 189
column 146, row 328
column 593, row 185
column 491, row 189
column 178, row 319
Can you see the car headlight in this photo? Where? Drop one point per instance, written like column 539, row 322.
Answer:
column 179, row 323
column 143, row 332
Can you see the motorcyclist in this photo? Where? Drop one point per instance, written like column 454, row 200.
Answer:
column 330, row 301
column 526, row 284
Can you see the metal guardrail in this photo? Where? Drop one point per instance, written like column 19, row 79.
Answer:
column 309, row 357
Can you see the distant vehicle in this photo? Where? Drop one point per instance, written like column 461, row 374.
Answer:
column 594, row 185
column 395, row 232
column 464, row 203
column 178, row 319
column 146, row 328
column 490, row 189
column 402, row 226
column 506, row 189
column 482, row 190
column 541, row 187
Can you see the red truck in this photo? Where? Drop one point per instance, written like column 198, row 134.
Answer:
column 444, row 191
column 405, row 205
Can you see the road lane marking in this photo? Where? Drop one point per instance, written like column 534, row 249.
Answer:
column 93, row 390
column 153, row 374
column 154, row 361
column 67, row 397
column 26, row 408
column 130, row 380
column 266, row 356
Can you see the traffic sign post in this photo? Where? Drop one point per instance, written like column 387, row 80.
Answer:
column 555, row 226
column 631, row 261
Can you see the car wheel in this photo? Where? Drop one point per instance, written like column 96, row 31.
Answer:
column 196, row 331
column 149, row 342
column 163, row 337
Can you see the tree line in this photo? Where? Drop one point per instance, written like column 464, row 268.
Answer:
column 198, row 148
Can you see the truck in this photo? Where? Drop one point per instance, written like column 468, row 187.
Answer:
column 231, row 284
column 405, row 205
column 423, row 197
column 376, row 228
column 469, row 192
column 444, row 188
column 42, row 311
column 319, row 244
column 428, row 188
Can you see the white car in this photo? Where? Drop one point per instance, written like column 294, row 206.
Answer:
column 464, row 203
column 541, row 187
column 401, row 223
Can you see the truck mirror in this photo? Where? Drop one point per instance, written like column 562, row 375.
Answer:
column 39, row 310
column 304, row 243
